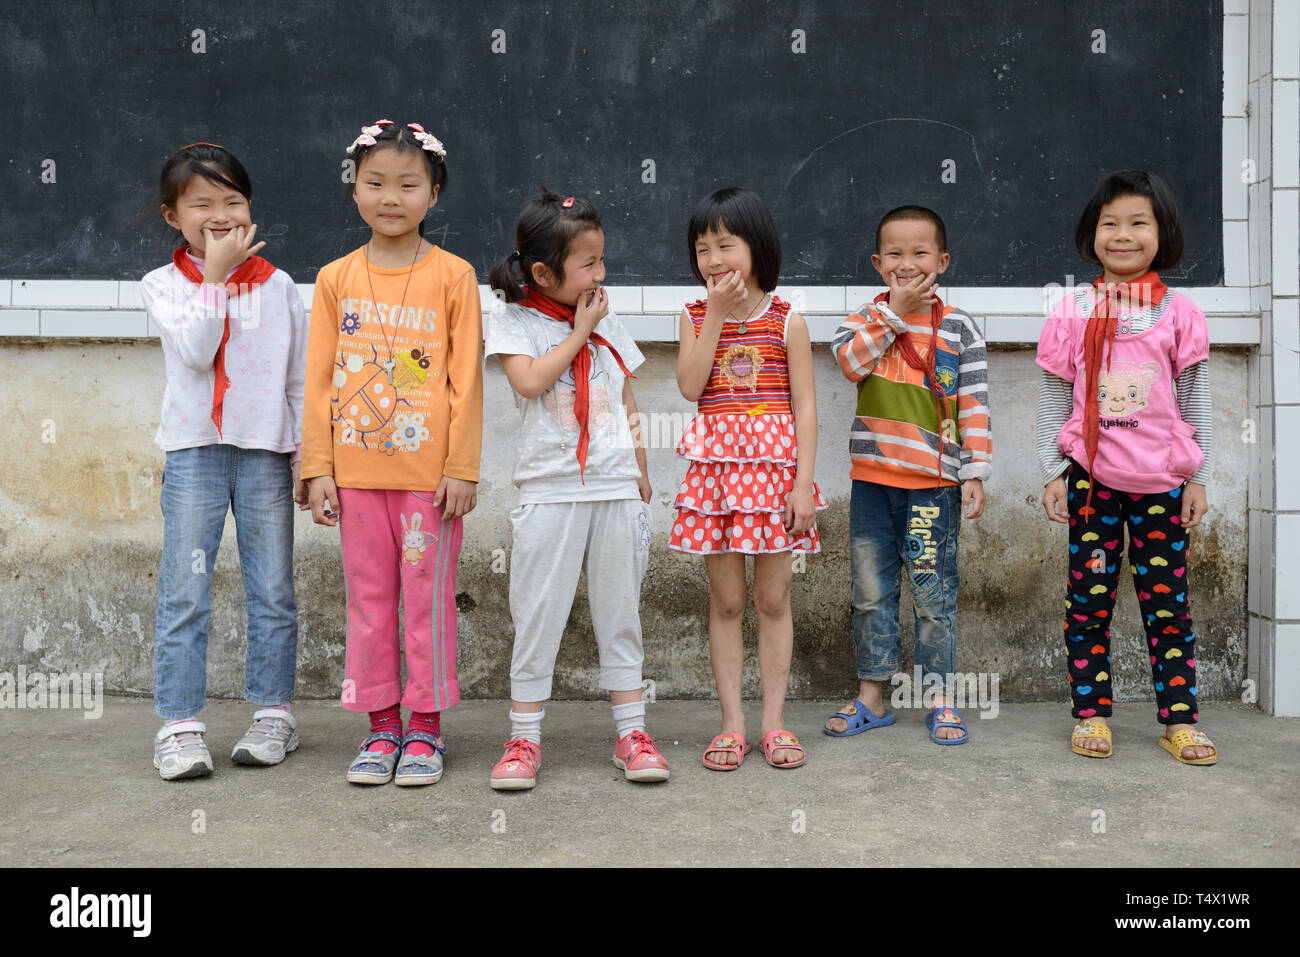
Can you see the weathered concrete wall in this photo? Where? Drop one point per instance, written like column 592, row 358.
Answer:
column 80, row 533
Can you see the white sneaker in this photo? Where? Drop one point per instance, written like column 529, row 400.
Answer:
column 179, row 751
column 273, row 734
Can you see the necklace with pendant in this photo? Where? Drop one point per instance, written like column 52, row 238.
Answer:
column 392, row 353
column 744, row 323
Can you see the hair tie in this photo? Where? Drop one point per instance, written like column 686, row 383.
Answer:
column 568, row 203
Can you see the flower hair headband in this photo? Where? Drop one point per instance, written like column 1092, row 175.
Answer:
column 426, row 140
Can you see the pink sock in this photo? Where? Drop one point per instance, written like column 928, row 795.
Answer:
column 430, row 723
column 389, row 719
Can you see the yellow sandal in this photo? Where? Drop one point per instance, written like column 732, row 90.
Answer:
column 1087, row 729
column 1188, row 738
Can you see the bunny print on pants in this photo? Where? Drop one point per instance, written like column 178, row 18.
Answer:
column 414, row 541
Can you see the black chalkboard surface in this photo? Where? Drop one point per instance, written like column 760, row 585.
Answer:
column 1002, row 116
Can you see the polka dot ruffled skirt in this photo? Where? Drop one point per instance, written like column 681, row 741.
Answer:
column 742, row 471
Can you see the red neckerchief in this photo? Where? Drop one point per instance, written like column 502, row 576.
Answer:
column 926, row 365
column 1099, row 341
column 252, row 273
column 581, row 368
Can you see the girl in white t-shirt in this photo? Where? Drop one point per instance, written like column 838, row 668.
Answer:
column 581, row 476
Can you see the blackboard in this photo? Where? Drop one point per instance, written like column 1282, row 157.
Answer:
column 834, row 111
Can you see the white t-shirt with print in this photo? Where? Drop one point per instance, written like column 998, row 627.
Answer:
column 546, row 469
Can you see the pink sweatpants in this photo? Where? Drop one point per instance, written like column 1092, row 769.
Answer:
column 395, row 543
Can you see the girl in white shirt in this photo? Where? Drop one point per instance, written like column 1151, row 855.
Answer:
column 234, row 335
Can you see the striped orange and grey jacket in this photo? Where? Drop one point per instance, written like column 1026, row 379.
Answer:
column 896, row 438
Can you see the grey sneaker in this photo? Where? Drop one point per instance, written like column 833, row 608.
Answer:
column 179, row 751
column 273, row 734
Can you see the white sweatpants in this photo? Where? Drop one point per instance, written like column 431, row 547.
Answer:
column 552, row 543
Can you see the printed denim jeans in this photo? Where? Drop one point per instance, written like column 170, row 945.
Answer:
column 889, row 529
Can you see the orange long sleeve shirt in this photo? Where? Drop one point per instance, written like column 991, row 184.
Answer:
column 394, row 390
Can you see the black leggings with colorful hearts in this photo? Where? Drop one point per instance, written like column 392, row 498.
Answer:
column 1157, row 556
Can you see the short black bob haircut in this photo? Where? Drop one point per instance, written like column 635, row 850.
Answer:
column 742, row 213
column 920, row 213
column 1134, row 182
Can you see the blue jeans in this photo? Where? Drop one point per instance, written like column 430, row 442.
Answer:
column 199, row 486
column 889, row 528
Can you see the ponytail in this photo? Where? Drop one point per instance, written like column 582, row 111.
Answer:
column 544, row 234
column 508, row 277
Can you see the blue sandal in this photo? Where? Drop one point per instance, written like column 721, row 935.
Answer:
column 859, row 718
column 932, row 722
column 416, row 769
column 375, row 767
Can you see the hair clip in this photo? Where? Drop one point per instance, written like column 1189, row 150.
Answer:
column 427, row 140
column 568, row 203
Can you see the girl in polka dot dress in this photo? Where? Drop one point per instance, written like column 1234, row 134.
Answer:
column 749, row 489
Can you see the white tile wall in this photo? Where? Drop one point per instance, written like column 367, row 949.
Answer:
column 1286, row 324
column 20, row 322
column 1236, row 149
column 1231, row 7
column 1236, row 53
column 805, row 299
column 1286, row 228
column 1288, row 559
column 89, row 324
column 1254, row 547
column 669, row 298
column 1252, row 649
column 644, row 328
column 1264, row 569
column 1287, row 458
column 1234, row 330
column 1286, row 134
column 308, row 291
column 821, row 328
column 1236, row 246
column 1286, row 664
column 128, row 295
column 1005, row 329
column 5, row 285
column 625, row 300
column 1286, row 39
column 1267, row 680
column 1286, row 376
column 65, row 293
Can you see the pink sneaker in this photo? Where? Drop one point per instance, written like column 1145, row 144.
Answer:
column 517, row 771
column 640, row 760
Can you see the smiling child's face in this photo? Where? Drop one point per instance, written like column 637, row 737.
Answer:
column 584, row 268
column 909, row 248
column 1127, row 238
column 207, row 204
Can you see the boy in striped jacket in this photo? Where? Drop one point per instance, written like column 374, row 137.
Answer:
column 921, row 449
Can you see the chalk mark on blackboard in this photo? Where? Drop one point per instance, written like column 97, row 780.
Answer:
column 895, row 119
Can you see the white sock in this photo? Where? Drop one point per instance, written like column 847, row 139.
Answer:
column 527, row 726
column 629, row 717
column 170, row 721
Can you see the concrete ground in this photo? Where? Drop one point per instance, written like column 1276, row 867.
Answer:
column 82, row 792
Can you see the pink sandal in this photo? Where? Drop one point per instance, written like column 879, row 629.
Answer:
column 770, row 744
column 727, row 741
